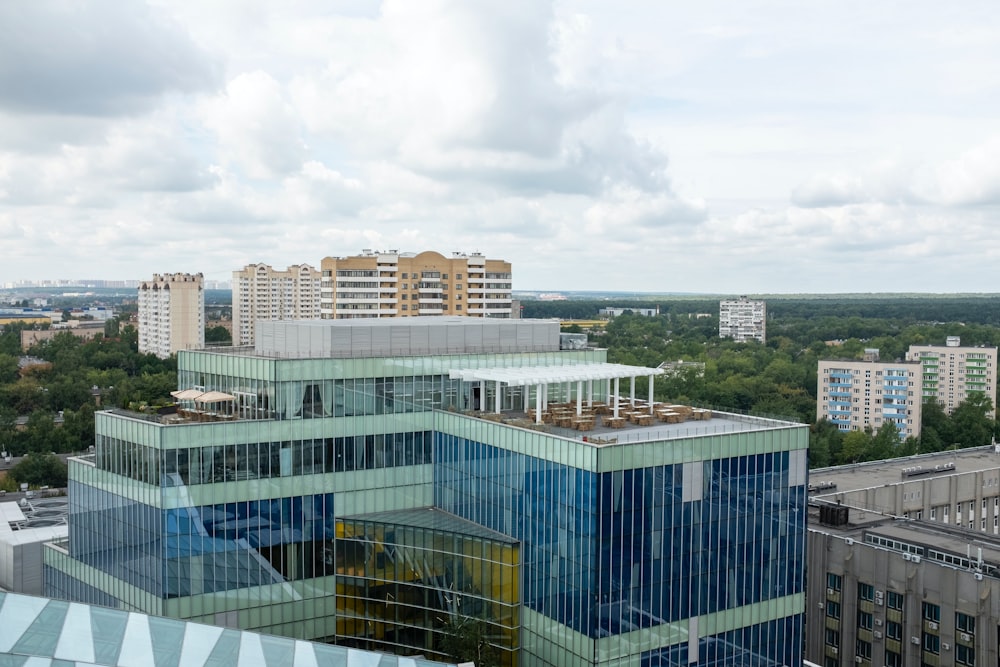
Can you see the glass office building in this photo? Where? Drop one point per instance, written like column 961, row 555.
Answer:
column 379, row 484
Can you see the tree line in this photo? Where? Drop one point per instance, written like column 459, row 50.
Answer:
column 779, row 378
column 49, row 406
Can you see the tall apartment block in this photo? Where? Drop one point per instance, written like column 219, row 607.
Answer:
column 904, row 561
column 263, row 293
column 859, row 394
column 366, row 482
column 743, row 319
column 953, row 372
column 394, row 284
column 171, row 313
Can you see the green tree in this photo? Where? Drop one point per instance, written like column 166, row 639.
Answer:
column 886, row 443
column 8, row 368
column 856, row 445
column 936, row 430
column 40, row 470
column 825, row 442
column 218, row 335
column 8, row 426
column 467, row 640
column 972, row 426
column 41, row 435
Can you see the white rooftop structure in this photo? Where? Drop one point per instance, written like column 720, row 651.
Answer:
column 21, row 539
column 41, row 632
column 544, row 376
column 535, row 375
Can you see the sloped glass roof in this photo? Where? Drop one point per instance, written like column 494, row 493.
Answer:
column 54, row 633
column 432, row 518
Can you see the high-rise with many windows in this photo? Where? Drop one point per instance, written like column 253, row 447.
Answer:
column 952, row 373
column 171, row 313
column 743, row 319
column 376, row 482
column 394, row 284
column 856, row 395
column 263, row 293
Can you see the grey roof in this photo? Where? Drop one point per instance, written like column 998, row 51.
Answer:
column 41, row 632
column 890, row 471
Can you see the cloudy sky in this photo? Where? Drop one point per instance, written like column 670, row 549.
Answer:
column 750, row 147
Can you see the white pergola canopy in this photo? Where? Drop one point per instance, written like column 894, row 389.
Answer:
column 535, row 375
column 544, row 376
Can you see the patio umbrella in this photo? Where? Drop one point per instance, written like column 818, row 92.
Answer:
column 214, row 397
column 186, row 394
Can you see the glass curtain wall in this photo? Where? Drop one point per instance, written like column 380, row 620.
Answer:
column 402, row 588
column 615, row 552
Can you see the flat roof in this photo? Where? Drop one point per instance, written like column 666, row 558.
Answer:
column 890, row 471
column 928, row 534
column 419, row 321
column 533, row 375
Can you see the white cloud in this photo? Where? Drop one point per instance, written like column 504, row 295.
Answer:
column 972, row 178
column 258, row 130
column 100, row 58
column 814, row 149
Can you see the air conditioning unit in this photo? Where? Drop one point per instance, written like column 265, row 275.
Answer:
column 849, row 542
column 858, row 659
column 834, row 650
column 830, row 591
column 878, row 622
column 907, row 556
column 916, row 558
column 946, row 646
column 914, row 640
column 965, row 636
column 877, row 634
column 978, row 576
column 932, row 625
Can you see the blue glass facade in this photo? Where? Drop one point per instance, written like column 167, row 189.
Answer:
column 613, row 552
column 202, row 549
column 773, row 644
column 622, row 550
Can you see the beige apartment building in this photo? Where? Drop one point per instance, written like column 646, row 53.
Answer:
column 264, row 293
column 858, row 394
column 395, row 284
column 952, row 373
column 171, row 313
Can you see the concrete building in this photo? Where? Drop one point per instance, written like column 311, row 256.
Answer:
column 263, row 293
column 79, row 328
column 952, row 373
column 394, row 284
column 23, row 533
column 171, row 314
column 856, row 395
column 743, row 319
column 617, row 312
column 366, row 482
column 905, row 561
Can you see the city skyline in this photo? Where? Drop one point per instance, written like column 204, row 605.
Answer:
column 717, row 149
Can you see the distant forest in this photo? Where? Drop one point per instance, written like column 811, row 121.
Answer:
column 778, row 378
column 978, row 309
